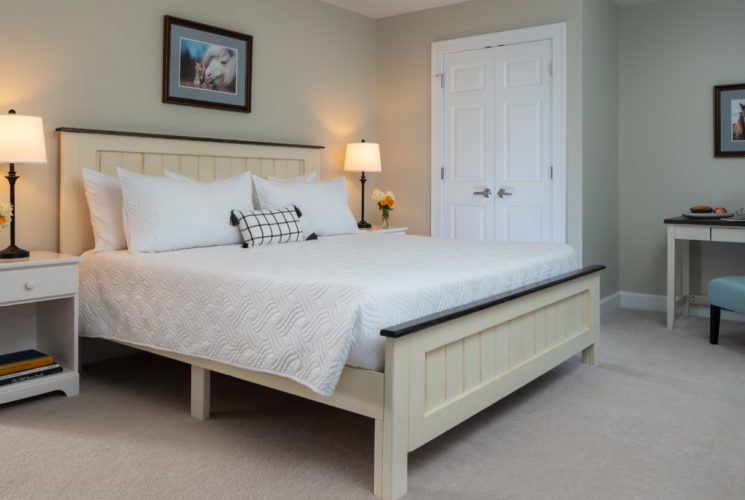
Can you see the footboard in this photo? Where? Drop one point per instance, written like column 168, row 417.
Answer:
column 443, row 369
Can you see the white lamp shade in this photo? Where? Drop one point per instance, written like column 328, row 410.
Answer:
column 362, row 157
column 22, row 139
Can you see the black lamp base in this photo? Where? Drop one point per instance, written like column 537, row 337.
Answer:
column 363, row 224
column 13, row 252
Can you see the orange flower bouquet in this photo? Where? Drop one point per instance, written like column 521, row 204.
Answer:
column 6, row 212
column 386, row 201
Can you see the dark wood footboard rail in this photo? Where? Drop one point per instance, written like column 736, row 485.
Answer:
column 418, row 324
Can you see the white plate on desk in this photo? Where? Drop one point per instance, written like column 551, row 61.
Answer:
column 692, row 215
column 735, row 218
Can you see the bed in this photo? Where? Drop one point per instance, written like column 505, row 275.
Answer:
column 421, row 349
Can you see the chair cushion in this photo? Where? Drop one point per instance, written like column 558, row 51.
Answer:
column 728, row 293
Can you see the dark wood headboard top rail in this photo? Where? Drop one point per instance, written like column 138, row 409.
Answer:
column 456, row 312
column 184, row 138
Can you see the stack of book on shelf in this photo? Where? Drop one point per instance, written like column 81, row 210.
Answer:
column 26, row 365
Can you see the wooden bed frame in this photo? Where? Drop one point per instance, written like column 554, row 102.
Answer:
column 439, row 370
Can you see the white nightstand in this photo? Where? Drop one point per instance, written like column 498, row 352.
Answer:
column 385, row 230
column 39, row 310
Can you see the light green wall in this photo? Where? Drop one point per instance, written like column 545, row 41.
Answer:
column 600, row 182
column 672, row 55
column 97, row 64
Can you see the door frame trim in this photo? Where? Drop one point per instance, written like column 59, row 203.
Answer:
column 557, row 34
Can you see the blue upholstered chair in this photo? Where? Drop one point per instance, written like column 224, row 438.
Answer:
column 725, row 293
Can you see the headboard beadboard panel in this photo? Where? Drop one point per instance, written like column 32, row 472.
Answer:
column 200, row 167
column 200, row 160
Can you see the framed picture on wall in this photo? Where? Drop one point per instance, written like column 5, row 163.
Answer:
column 206, row 66
column 729, row 120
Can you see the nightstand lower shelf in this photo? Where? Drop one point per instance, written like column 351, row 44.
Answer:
column 66, row 381
column 39, row 311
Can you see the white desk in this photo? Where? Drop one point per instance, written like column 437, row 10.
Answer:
column 680, row 232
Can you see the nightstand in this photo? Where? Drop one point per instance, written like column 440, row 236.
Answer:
column 385, row 230
column 39, row 310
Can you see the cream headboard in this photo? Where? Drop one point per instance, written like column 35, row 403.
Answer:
column 201, row 159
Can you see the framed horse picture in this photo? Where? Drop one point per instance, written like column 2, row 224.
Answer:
column 729, row 121
column 206, row 66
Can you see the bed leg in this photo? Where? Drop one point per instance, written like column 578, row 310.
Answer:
column 392, row 433
column 391, row 460
column 200, row 393
column 378, row 476
column 588, row 355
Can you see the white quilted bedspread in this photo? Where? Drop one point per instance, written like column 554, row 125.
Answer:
column 299, row 310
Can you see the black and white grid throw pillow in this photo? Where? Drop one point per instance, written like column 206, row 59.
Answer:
column 266, row 227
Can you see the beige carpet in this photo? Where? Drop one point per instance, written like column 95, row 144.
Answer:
column 662, row 417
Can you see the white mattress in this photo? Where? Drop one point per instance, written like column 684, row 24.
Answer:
column 299, row 310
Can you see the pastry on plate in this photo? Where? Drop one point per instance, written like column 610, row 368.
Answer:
column 701, row 209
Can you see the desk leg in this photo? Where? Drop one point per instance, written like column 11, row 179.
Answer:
column 686, row 276
column 670, row 276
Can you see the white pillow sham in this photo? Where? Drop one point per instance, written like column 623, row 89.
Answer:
column 323, row 204
column 104, row 195
column 302, row 178
column 181, row 177
column 166, row 214
column 309, row 177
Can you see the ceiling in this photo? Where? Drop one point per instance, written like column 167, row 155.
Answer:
column 384, row 8
column 631, row 3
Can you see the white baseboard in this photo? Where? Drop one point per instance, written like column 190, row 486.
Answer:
column 643, row 301
column 647, row 302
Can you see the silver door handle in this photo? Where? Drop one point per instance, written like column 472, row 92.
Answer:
column 503, row 192
column 486, row 193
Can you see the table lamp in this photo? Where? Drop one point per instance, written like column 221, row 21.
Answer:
column 21, row 141
column 362, row 157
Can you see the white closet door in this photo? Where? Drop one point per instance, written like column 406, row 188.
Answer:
column 523, row 143
column 497, row 144
column 468, row 144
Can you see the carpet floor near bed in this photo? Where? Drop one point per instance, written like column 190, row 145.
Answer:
column 662, row 416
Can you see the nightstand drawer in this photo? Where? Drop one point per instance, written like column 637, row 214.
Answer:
column 29, row 284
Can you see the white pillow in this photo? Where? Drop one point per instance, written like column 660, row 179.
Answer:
column 104, row 195
column 323, row 204
column 310, row 177
column 181, row 177
column 165, row 214
column 254, row 197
